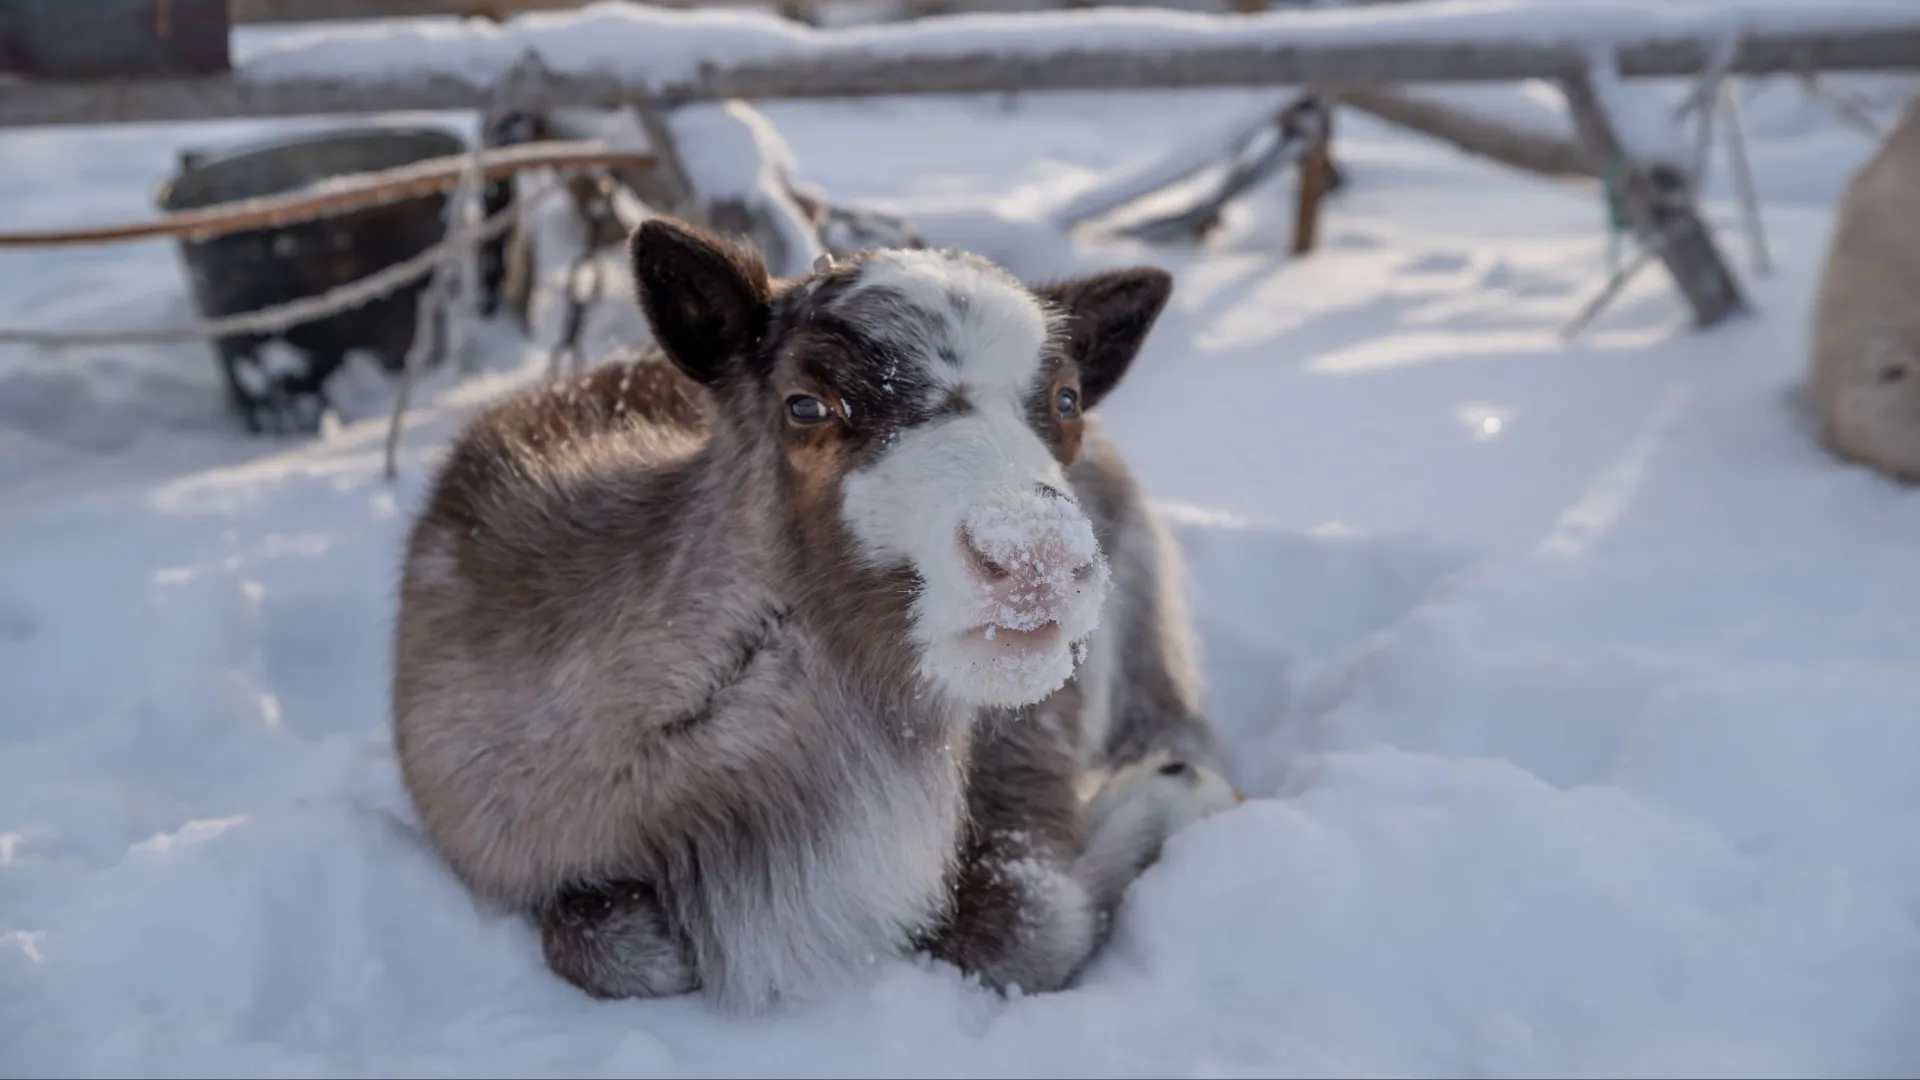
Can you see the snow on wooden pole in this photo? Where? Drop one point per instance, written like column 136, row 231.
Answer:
column 1487, row 136
column 286, row 11
column 1660, row 209
column 607, row 55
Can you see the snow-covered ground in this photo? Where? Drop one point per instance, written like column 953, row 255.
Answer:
column 1578, row 689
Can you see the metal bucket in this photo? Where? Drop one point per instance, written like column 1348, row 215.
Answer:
column 277, row 381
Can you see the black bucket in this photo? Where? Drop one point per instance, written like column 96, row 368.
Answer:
column 280, row 387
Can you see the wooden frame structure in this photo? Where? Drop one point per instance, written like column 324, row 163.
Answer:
column 678, row 59
column 683, row 57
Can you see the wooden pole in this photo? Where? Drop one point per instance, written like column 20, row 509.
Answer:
column 1483, row 136
column 1316, row 176
column 1661, row 211
column 1047, row 53
column 1742, row 168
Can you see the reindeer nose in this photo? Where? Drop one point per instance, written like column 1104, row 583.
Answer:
column 982, row 563
column 1028, row 549
column 1038, row 562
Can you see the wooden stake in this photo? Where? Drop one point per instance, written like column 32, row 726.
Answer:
column 1736, row 136
column 1661, row 211
column 1316, row 176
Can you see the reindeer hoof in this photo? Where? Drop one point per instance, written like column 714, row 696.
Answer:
column 1174, row 790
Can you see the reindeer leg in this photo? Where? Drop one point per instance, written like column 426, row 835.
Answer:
column 1136, row 810
column 1018, row 917
column 614, row 941
column 1041, row 874
column 1144, row 658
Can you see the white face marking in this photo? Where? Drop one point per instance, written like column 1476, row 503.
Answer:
column 998, row 625
column 991, row 328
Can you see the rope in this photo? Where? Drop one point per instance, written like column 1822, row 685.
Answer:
column 269, row 320
column 466, row 231
column 336, row 195
column 1616, row 281
column 580, row 298
column 1618, row 222
column 441, row 287
column 1851, row 109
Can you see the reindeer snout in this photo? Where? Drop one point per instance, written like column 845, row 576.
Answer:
column 1030, row 555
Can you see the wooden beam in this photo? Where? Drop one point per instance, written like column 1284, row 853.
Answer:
column 1661, row 211
column 290, row 11
column 1103, row 49
column 1481, row 135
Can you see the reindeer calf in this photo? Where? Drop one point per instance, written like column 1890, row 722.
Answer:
column 1866, row 332
column 753, row 659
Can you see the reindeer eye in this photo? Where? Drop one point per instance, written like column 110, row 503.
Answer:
column 806, row 409
column 1067, row 401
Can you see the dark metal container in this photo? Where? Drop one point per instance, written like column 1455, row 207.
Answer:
column 107, row 39
column 280, row 387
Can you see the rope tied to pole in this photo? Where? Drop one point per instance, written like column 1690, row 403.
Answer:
column 268, row 320
column 1613, row 200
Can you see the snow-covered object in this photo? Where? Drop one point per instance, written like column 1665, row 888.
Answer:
column 742, row 174
column 1866, row 320
column 558, row 240
column 1641, row 116
column 672, row 47
column 1208, row 147
column 1534, row 107
column 847, row 229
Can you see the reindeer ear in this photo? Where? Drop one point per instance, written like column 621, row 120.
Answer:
column 706, row 297
column 1108, row 316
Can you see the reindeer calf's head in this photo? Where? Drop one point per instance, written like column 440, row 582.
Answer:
column 925, row 405
column 1875, row 403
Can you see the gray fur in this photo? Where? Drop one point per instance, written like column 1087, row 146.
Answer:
column 643, row 693
column 1143, row 669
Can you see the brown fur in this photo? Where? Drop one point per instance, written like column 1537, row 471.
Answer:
column 642, row 692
